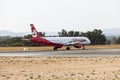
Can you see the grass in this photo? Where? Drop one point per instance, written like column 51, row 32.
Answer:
column 51, row 48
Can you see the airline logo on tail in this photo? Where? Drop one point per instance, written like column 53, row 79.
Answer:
column 34, row 31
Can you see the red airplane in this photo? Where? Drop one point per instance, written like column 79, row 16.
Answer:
column 58, row 42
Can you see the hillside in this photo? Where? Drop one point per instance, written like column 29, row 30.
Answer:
column 107, row 32
column 112, row 31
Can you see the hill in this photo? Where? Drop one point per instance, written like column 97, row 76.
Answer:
column 112, row 32
column 107, row 32
column 13, row 34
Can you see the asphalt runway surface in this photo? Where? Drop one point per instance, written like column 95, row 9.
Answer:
column 65, row 53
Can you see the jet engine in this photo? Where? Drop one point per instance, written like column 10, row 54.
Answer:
column 77, row 45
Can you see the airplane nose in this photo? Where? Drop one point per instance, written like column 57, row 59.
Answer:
column 89, row 41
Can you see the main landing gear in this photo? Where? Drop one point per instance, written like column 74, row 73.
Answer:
column 67, row 48
column 83, row 47
column 55, row 48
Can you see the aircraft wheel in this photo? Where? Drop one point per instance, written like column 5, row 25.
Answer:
column 83, row 47
column 68, row 48
column 55, row 48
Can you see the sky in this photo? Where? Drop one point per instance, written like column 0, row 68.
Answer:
column 55, row 15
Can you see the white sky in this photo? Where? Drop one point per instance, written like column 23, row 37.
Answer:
column 55, row 15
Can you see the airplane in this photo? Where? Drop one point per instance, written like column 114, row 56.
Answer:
column 58, row 42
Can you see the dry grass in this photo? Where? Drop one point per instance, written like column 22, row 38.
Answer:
column 102, row 46
column 59, row 68
column 51, row 48
column 22, row 48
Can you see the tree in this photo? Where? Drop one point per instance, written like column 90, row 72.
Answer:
column 60, row 34
column 76, row 33
column 41, row 33
column 63, row 33
column 27, row 36
column 95, row 36
column 71, row 33
column 118, row 40
column 14, row 41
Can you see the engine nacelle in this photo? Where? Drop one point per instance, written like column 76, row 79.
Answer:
column 78, row 46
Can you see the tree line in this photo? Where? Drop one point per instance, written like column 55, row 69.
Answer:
column 96, row 36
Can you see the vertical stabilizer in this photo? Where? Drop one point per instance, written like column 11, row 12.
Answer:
column 36, row 37
column 35, row 34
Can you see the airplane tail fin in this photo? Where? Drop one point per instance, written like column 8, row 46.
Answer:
column 36, row 37
column 35, row 34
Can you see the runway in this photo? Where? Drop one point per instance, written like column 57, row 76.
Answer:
column 70, row 53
